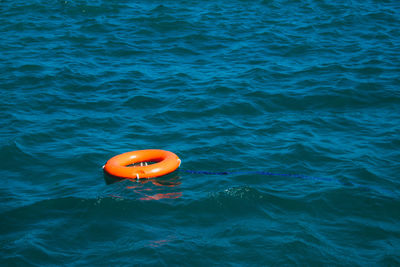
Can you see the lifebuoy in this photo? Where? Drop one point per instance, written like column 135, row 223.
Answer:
column 165, row 162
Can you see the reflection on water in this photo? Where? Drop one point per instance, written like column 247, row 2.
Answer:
column 161, row 242
column 149, row 189
column 161, row 196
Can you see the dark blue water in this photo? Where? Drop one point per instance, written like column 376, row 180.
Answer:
column 285, row 115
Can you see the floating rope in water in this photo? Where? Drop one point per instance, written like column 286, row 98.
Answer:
column 259, row 173
column 347, row 183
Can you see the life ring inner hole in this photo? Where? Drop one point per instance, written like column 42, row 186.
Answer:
column 141, row 164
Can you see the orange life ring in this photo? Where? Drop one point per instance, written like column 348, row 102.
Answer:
column 166, row 162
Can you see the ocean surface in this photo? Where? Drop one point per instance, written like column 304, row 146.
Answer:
column 285, row 114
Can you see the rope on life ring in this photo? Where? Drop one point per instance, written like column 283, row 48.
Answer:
column 165, row 162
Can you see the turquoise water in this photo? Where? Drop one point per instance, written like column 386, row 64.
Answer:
column 285, row 115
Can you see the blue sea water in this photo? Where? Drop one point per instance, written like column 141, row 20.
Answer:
column 285, row 115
